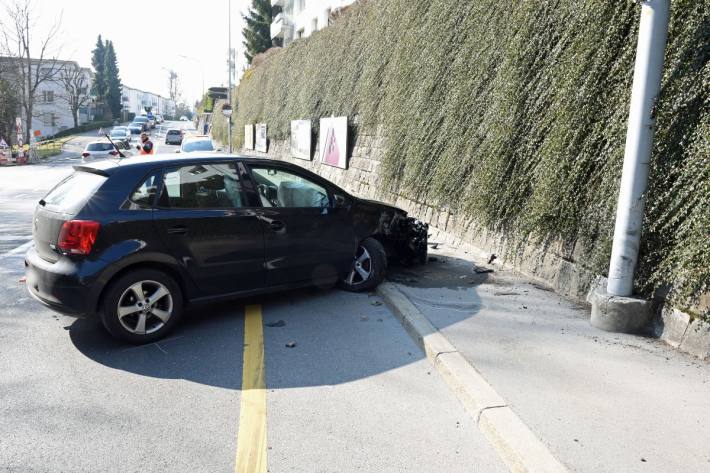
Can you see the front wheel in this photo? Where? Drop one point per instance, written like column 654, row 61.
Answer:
column 369, row 267
column 142, row 306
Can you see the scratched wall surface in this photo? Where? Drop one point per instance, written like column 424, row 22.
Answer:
column 505, row 121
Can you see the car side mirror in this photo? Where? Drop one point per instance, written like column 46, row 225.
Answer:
column 340, row 201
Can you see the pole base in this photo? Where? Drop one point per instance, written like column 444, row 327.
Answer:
column 620, row 314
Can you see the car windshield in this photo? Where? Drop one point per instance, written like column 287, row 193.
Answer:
column 198, row 145
column 99, row 147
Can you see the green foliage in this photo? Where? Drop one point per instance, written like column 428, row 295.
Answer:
column 514, row 115
column 112, row 82
column 9, row 107
column 98, row 87
column 257, row 32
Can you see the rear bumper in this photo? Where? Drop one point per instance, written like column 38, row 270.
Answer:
column 58, row 285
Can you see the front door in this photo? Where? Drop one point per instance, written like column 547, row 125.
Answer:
column 203, row 219
column 307, row 239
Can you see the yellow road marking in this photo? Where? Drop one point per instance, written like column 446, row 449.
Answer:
column 251, row 439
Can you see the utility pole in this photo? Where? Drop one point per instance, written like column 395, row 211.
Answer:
column 614, row 309
column 229, row 88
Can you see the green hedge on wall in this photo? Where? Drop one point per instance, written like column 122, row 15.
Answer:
column 514, row 113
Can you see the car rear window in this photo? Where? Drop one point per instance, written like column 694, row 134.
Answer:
column 201, row 145
column 173, row 132
column 99, row 147
column 70, row 195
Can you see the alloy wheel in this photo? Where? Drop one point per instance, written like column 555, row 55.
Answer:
column 145, row 307
column 362, row 267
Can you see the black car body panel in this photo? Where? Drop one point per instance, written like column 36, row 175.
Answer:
column 211, row 252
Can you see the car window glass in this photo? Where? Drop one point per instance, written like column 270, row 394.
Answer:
column 279, row 188
column 144, row 194
column 99, row 147
column 202, row 186
column 72, row 193
column 198, row 145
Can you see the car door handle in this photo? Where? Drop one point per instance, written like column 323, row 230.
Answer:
column 277, row 225
column 177, row 230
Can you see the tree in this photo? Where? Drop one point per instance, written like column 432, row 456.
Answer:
column 9, row 107
column 74, row 80
column 257, row 32
column 112, row 82
column 174, row 85
column 25, row 72
column 97, row 62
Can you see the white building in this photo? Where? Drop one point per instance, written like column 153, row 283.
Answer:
column 300, row 18
column 51, row 111
column 135, row 101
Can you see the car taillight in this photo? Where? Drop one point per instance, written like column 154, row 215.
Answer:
column 78, row 236
column 113, row 153
column 85, row 154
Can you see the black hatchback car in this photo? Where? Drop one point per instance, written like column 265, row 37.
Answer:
column 136, row 240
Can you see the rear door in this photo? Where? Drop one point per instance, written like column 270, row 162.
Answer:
column 307, row 239
column 203, row 219
column 59, row 205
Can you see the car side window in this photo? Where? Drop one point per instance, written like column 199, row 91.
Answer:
column 202, row 186
column 144, row 195
column 279, row 188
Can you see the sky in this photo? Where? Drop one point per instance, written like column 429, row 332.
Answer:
column 150, row 37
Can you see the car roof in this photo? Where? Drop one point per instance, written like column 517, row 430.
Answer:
column 168, row 159
column 197, row 138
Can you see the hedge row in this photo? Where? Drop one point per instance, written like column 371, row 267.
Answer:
column 514, row 113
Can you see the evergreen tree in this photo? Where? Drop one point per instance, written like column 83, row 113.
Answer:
column 257, row 33
column 97, row 61
column 112, row 82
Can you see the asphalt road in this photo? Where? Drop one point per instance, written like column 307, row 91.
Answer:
column 353, row 394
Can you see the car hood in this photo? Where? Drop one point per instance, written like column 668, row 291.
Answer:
column 382, row 206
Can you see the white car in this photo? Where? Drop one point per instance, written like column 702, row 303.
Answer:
column 103, row 149
column 191, row 144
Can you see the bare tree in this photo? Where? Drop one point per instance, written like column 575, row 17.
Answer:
column 27, row 73
column 75, row 83
column 174, row 84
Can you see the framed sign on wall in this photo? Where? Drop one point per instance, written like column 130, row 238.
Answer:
column 261, row 144
column 301, row 139
column 333, row 141
column 249, row 136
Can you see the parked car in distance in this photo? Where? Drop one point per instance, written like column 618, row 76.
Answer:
column 103, row 149
column 143, row 121
column 135, row 128
column 183, row 118
column 159, row 119
column 223, row 226
column 173, row 137
column 121, row 134
column 196, row 143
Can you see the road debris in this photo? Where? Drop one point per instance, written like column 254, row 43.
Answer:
column 278, row 323
column 364, row 318
column 22, row 279
column 492, row 258
column 480, row 270
column 290, row 344
column 376, row 303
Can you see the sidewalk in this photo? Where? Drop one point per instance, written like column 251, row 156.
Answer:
column 599, row 402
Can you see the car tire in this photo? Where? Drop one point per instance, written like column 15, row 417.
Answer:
column 122, row 310
column 369, row 267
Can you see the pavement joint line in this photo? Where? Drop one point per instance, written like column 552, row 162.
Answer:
column 161, row 349
column 516, row 444
column 17, row 250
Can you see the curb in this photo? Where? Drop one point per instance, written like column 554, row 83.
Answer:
column 514, row 442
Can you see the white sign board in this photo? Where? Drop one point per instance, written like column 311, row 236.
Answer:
column 261, row 137
column 301, row 139
column 249, row 136
column 332, row 143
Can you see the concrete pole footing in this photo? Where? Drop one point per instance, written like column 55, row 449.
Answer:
column 620, row 314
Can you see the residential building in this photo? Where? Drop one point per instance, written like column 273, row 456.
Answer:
column 301, row 18
column 62, row 82
column 135, row 101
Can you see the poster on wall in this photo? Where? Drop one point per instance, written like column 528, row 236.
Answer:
column 301, row 139
column 261, row 137
column 332, row 142
column 249, row 136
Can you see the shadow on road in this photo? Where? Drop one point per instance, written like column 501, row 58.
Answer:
column 339, row 336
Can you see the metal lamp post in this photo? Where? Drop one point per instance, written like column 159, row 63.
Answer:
column 227, row 112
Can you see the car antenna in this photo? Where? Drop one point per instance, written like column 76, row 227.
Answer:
column 114, row 145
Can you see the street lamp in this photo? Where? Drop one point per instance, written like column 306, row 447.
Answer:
column 227, row 112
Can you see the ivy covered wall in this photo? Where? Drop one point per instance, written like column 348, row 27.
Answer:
column 514, row 113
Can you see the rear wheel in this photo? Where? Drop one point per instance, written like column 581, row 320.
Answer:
column 142, row 306
column 369, row 267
